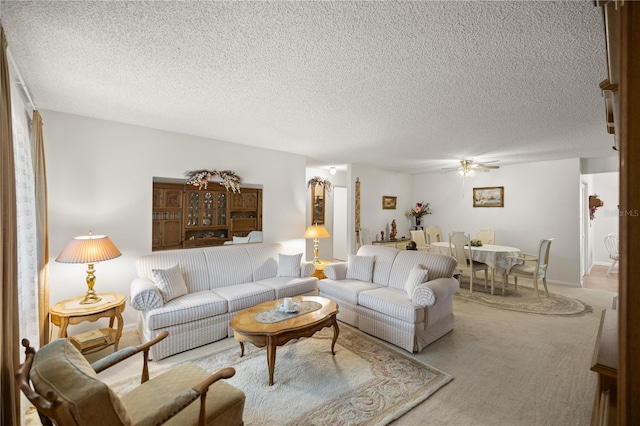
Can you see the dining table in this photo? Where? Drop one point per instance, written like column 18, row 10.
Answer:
column 496, row 257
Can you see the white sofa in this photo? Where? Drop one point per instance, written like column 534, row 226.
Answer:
column 380, row 304
column 217, row 282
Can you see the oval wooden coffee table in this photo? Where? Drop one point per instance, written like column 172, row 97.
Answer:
column 282, row 327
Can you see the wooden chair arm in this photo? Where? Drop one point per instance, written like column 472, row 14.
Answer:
column 203, row 386
column 125, row 353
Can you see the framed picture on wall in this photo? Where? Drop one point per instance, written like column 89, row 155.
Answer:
column 489, row 196
column 317, row 205
column 389, row 202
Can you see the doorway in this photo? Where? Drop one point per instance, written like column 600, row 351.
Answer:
column 585, row 259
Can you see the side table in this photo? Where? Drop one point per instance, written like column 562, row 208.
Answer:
column 70, row 312
column 319, row 273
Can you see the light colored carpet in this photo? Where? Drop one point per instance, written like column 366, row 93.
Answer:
column 523, row 300
column 365, row 383
column 513, row 368
column 510, row 368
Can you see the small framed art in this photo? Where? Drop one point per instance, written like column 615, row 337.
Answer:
column 490, row 196
column 389, row 202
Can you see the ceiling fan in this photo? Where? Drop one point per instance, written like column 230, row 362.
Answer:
column 468, row 167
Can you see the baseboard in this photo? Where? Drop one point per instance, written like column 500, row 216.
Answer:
column 565, row 283
column 130, row 327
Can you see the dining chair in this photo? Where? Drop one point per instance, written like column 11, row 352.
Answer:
column 487, row 236
column 612, row 242
column 365, row 237
column 460, row 248
column 433, row 234
column 535, row 269
column 418, row 237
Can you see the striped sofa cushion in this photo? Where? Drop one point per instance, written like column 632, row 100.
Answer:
column 243, row 296
column 360, row 268
column 228, row 265
column 190, row 307
column 264, row 259
column 191, row 262
column 438, row 265
column 393, row 302
column 384, row 260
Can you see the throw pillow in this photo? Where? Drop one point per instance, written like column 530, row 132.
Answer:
column 360, row 268
column 169, row 282
column 417, row 276
column 289, row 265
column 240, row 240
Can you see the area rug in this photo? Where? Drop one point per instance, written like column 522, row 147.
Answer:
column 365, row 383
column 524, row 300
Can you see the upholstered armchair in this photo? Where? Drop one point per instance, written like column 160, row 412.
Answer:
column 67, row 390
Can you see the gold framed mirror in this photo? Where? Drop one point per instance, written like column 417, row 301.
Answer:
column 317, row 204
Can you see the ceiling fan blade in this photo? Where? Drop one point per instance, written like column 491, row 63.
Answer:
column 484, row 166
column 450, row 169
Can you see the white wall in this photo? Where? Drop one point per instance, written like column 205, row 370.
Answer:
column 541, row 200
column 374, row 183
column 607, row 218
column 100, row 178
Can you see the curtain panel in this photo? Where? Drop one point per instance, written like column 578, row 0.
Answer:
column 9, row 333
column 43, row 227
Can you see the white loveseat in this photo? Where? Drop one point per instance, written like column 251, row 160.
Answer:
column 195, row 301
column 392, row 297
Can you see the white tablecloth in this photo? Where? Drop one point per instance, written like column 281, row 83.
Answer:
column 493, row 255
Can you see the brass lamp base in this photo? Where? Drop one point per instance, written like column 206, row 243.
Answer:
column 316, row 261
column 91, row 296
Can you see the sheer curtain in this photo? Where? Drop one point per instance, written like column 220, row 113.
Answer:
column 27, row 220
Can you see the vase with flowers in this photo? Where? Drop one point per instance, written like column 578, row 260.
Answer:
column 418, row 211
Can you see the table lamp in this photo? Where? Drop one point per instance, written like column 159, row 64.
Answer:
column 89, row 249
column 316, row 231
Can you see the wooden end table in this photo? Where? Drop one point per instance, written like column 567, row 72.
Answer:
column 247, row 329
column 319, row 273
column 70, row 312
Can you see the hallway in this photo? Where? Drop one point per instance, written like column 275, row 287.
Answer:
column 598, row 280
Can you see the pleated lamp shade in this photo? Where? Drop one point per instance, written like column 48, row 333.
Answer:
column 89, row 249
column 316, row 231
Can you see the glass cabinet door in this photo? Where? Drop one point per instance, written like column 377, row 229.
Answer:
column 221, row 209
column 193, row 209
column 207, row 209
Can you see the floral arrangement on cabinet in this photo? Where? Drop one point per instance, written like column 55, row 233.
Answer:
column 418, row 211
column 200, row 178
column 321, row 182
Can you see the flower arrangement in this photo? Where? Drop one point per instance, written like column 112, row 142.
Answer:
column 200, row 178
column 318, row 181
column 419, row 210
column 476, row 243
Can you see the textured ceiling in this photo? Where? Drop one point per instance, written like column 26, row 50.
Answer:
column 410, row 86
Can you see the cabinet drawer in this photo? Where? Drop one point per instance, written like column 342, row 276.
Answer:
column 244, row 223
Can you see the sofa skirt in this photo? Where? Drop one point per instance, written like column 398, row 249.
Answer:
column 183, row 337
